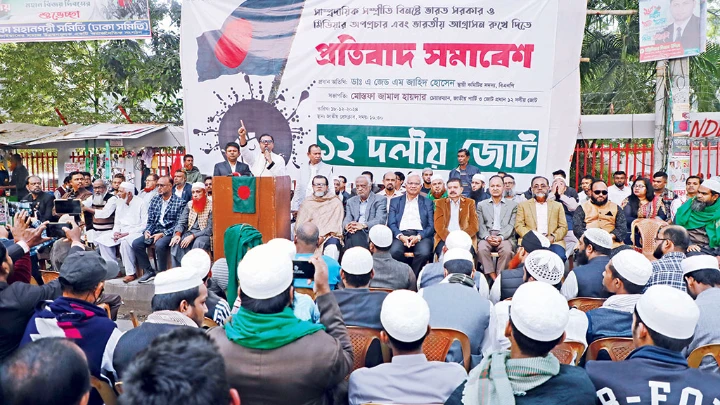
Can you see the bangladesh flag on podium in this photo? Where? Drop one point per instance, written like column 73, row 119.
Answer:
column 243, row 194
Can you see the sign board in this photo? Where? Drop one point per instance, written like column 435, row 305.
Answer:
column 672, row 29
column 386, row 85
column 73, row 20
column 73, row 167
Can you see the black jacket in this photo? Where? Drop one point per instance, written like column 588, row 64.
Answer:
column 223, row 169
column 43, row 207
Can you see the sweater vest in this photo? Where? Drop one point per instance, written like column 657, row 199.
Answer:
column 590, row 278
column 510, row 281
column 602, row 217
column 103, row 224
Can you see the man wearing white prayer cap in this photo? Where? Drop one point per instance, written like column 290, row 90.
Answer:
column 456, row 304
column 510, row 279
column 528, row 373
column 194, row 226
column 434, row 272
column 271, row 356
column 410, row 378
column 700, row 217
column 656, row 372
column 359, row 305
column 389, row 273
column 179, row 301
column 625, row 277
column 592, row 254
column 218, row 308
column 702, row 276
column 130, row 221
column 437, row 188
column 478, row 192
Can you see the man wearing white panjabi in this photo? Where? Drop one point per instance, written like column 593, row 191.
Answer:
column 130, row 222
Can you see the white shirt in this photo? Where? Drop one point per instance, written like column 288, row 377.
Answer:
column 682, row 25
column 411, row 217
column 131, row 218
column 106, row 211
column 258, row 165
column 542, row 217
column 395, row 194
column 179, row 191
column 147, row 196
column 454, row 224
column 163, row 208
column 676, row 204
column 582, row 197
column 616, row 195
column 569, row 288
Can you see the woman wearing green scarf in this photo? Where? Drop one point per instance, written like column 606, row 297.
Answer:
column 272, row 357
column 529, row 374
column 702, row 213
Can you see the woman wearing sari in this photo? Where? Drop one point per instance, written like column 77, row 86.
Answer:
column 642, row 204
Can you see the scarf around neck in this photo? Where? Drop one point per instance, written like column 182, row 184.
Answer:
column 499, row 379
column 268, row 331
column 708, row 218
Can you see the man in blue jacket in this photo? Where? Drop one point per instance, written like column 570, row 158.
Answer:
column 411, row 220
column 656, row 371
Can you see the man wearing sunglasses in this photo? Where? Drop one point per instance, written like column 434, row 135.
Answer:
column 261, row 159
column 601, row 213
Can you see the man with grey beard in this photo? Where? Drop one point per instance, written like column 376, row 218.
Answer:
column 544, row 216
column 701, row 216
column 101, row 205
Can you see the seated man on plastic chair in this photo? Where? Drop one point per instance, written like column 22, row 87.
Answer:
column 325, row 210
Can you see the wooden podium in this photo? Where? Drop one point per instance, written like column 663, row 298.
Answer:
column 272, row 210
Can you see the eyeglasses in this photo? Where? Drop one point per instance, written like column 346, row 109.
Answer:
column 319, row 185
column 599, row 192
column 266, row 141
column 639, row 186
column 660, row 239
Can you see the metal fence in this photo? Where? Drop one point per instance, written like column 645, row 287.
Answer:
column 42, row 163
column 601, row 159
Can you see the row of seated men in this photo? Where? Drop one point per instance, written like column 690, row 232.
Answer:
column 281, row 346
column 421, row 223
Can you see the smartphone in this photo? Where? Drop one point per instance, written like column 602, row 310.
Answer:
column 303, row 269
column 71, row 207
column 55, row 229
column 15, row 207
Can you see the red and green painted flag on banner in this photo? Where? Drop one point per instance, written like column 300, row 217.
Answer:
column 243, row 194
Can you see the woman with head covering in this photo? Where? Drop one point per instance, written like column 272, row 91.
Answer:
column 642, row 204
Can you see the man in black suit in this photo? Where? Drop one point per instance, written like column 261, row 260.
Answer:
column 685, row 27
column 231, row 165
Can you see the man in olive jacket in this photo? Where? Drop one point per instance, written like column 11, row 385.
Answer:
column 271, row 357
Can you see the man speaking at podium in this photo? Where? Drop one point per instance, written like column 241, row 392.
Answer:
column 262, row 161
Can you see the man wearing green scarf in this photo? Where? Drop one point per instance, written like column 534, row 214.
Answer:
column 701, row 217
column 271, row 356
column 529, row 374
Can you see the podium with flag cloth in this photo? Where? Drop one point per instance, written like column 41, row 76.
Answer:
column 261, row 202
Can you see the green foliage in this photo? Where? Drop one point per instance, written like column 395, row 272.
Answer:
column 88, row 80
column 615, row 81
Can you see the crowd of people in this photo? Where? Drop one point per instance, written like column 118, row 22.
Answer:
column 417, row 252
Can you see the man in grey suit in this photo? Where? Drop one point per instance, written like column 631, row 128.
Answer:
column 497, row 228
column 362, row 212
column 231, row 165
column 702, row 277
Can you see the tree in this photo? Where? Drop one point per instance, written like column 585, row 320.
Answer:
column 87, row 81
column 615, row 81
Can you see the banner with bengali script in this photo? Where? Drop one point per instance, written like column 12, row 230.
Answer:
column 672, row 29
column 73, row 20
column 386, row 85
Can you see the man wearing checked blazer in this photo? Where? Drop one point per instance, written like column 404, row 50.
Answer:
column 362, row 212
column 545, row 217
column 411, row 220
column 497, row 228
column 454, row 213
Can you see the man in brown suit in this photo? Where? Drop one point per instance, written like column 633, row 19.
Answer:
column 271, row 357
column 454, row 213
column 545, row 217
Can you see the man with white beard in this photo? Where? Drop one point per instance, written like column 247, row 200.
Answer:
column 101, row 205
column 130, row 222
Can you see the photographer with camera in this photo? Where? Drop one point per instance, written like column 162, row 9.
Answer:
column 40, row 202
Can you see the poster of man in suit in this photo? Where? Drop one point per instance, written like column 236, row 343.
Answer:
column 672, row 28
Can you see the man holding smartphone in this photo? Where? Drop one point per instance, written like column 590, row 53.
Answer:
column 42, row 201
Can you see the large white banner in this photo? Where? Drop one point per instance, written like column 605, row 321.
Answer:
column 386, row 86
column 73, row 20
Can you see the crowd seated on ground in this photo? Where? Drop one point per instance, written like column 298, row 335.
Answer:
column 427, row 290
